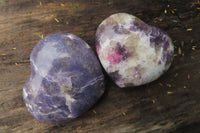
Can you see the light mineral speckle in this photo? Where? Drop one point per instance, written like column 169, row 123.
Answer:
column 132, row 52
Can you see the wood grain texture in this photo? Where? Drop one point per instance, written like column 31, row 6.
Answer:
column 144, row 109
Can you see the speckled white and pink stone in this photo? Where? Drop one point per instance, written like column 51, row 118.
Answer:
column 132, row 52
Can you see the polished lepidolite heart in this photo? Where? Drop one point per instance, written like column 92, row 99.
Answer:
column 65, row 81
column 132, row 52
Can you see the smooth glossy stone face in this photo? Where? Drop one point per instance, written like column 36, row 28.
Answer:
column 132, row 52
column 65, row 81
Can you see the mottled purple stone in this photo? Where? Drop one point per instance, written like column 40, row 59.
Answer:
column 66, row 79
column 132, row 52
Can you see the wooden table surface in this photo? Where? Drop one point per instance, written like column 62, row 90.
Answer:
column 170, row 104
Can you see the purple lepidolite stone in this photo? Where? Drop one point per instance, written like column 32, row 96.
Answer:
column 65, row 81
column 132, row 52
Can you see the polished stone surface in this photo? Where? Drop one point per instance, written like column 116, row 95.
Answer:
column 66, row 79
column 132, row 52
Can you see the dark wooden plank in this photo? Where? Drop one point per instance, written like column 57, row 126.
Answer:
column 148, row 108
